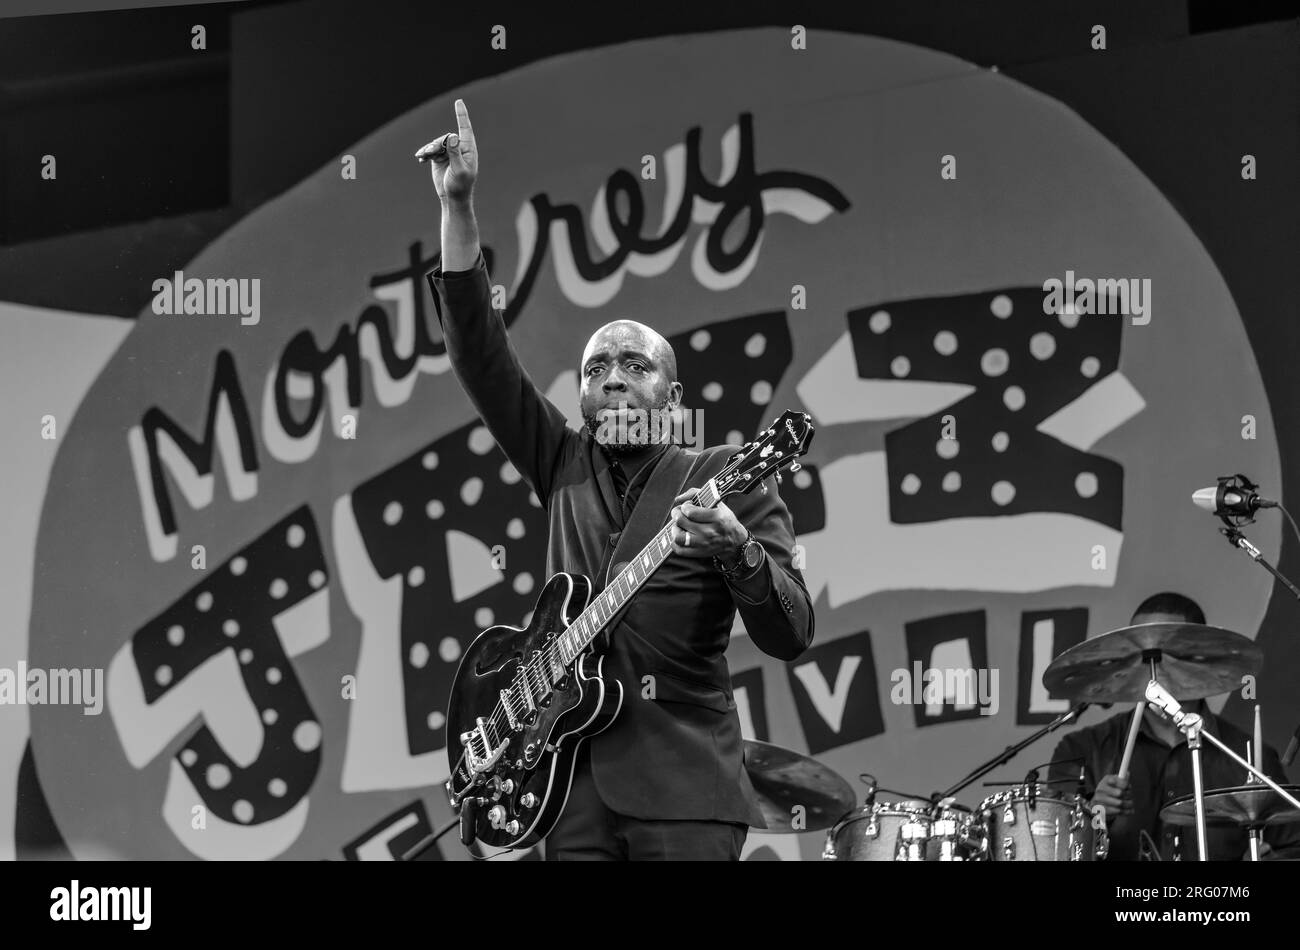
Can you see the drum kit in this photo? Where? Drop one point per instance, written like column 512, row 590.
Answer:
column 1147, row 665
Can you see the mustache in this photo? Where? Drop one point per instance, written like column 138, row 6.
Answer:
column 590, row 415
column 594, row 419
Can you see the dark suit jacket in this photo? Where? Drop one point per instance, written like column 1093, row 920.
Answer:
column 677, row 755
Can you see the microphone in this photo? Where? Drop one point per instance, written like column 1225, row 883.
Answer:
column 451, row 140
column 1229, row 499
column 1292, row 748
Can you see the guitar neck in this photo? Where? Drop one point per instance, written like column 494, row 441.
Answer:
column 622, row 588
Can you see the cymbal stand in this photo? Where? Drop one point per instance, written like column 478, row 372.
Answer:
column 1193, row 727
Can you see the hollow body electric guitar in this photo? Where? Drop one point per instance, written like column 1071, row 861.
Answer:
column 524, row 700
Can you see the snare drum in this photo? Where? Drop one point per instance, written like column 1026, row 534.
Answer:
column 1034, row 823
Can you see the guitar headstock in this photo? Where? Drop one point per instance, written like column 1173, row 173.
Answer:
column 778, row 446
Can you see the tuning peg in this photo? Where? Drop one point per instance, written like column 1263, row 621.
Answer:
column 795, row 466
column 778, row 476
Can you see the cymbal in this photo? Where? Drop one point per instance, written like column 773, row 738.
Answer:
column 1194, row 661
column 1241, row 805
column 783, row 778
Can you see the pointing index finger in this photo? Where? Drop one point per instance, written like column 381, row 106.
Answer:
column 462, row 122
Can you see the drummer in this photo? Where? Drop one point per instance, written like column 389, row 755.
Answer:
column 1161, row 770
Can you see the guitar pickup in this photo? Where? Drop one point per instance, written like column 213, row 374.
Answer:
column 510, row 713
column 522, row 680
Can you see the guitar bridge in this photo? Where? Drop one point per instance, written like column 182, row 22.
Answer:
column 481, row 763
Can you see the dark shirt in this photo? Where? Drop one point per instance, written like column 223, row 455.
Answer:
column 1158, row 774
column 628, row 488
column 619, row 474
column 676, row 754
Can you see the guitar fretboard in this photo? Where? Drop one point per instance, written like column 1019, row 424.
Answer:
column 613, row 598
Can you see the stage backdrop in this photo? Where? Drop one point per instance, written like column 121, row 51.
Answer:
column 277, row 537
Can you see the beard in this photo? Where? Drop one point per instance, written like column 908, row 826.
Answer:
column 613, row 438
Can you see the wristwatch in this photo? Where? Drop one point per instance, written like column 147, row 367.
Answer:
column 748, row 558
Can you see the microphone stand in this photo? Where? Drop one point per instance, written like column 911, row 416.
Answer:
column 1010, row 752
column 1239, row 540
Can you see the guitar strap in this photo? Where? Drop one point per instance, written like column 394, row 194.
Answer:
column 666, row 481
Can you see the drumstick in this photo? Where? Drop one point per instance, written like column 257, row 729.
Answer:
column 1259, row 745
column 1132, row 740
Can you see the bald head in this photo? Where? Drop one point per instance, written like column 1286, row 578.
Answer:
column 631, row 336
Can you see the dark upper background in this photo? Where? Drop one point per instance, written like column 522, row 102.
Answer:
column 161, row 148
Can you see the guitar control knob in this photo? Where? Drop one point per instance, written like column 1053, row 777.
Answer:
column 512, row 827
column 529, row 800
column 496, row 816
column 507, row 786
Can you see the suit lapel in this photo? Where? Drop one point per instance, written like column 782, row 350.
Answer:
column 663, row 484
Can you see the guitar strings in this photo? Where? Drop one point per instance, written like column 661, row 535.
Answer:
column 500, row 716
column 549, row 655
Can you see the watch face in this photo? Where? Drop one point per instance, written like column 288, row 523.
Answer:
column 751, row 553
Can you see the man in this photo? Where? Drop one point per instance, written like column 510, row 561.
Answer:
column 1161, row 770
column 666, row 780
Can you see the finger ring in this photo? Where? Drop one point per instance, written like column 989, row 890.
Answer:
column 686, row 539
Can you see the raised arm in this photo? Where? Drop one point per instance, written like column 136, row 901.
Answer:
column 454, row 166
column 529, row 428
